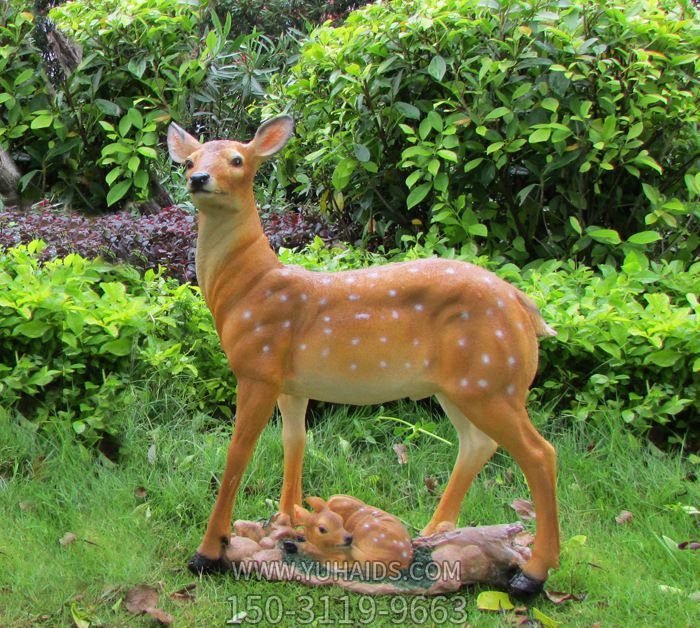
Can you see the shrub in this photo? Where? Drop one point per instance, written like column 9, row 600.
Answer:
column 74, row 333
column 530, row 128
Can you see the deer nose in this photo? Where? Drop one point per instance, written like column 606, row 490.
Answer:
column 198, row 179
column 348, row 540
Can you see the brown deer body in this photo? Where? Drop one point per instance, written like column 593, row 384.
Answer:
column 344, row 531
column 412, row 329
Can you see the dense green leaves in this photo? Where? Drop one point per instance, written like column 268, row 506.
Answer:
column 519, row 116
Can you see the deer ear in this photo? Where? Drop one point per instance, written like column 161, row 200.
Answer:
column 272, row 135
column 180, row 143
column 316, row 503
column 301, row 515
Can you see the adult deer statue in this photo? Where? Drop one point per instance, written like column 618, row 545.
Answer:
column 412, row 329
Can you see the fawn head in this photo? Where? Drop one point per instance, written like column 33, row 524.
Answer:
column 220, row 173
column 323, row 528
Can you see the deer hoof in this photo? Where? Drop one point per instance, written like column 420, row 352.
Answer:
column 201, row 565
column 522, row 586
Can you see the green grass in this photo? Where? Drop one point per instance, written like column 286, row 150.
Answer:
column 49, row 485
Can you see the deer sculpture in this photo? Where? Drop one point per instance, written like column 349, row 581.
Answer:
column 411, row 329
column 345, row 531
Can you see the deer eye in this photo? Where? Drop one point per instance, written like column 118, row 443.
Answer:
column 237, row 161
column 322, row 529
column 188, row 164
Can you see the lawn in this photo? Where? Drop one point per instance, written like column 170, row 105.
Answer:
column 137, row 520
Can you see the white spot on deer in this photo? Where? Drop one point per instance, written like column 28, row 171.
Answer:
column 426, row 362
column 268, row 293
column 382, row 339
column 286, row 324
column 349, row 280
column 354, row 297
column 464, row 382
column 499, row 333
column 489, row 311
column 247, row 314
column 355, row 341
column 510, row 389
column 326, row 352
column 450, row 271
column 512, row 295
column 418, row 307
column 283, row 297
column 326, row 319
column 487, row 279
column 375, row 539
column 520, row 326
column 486, row 358
column 382, row 535
column 322, row 301
column 258, row 328
column 362, row 316
column 404, row 554
column 374, row 275
column 285, row 273
column 326, row 281
column 266, row 349
column 382, row 364
column 416, row 342
column 482, row 383
column 462, row 342
column 392, row 293
column 464, row 315
column 413, row 269
column 394, row 314
column 328, row 331
column 304, row 297
column 500, row 303
column 407, row 365
column 511, row 360
column 366, row 526
column 353, row 367
column 302, row 347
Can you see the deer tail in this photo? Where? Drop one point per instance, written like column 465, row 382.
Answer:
column 541, row 327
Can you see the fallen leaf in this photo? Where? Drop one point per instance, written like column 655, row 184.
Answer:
column 625, row 516
column 238, row 618
column 545, row 620
column 524, row 508
column 401, row 452
column 695, row 596
column 185, row 593
column 161, row 616
column 559, row 597
column 79, row 618
column 140, row 598
column 664, row 588
column 67, row 539
column 494, row 601
column 25, row 506
column 140, row 492
column 691, row 545
column 430, row 483
column 151, row 455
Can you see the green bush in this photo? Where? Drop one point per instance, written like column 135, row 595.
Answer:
column 532, row 129
column 628, row 340
column 74, row 333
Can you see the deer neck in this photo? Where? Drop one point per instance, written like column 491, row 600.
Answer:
column 232, row 251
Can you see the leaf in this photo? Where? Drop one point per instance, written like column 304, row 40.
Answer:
column 498, row 112
column 494, row 601
column 559, row 597
column 575, row 224
column 32, row 329
column 624, row 517
column 140, row 598
column 406, row 110
column 545, row 620
column 540, row 135
column 606, row 236
column 437, row 67
column 118, row 191
column 151, row 455
column 361, row 152
column 67, row 539
column 524, row 508
column 430, row 484
column 418, row 194
column 644, row 237
column 184, row 594
column 42, row 121
column 401, row 452
column 664, row 358
column 550, row 104
column 140, row 492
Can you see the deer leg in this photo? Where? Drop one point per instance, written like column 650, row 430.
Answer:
column 507, row 422
column 293, row 410
column 256, row 400
column 475, row 449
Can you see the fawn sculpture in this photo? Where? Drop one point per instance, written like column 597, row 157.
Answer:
column 344, row 531
column 412, row 329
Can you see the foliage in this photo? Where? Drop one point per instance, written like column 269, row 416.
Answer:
column 628, row 340
column 86, row 125
column 73, row 332
column 530, row 128
column 164, row 239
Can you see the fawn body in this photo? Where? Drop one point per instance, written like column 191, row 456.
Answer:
column 412, row 329
column 346, row 531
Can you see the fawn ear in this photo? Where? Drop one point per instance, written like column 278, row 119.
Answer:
column 316, row 503
column 180, row 143
column 272, row 135
column 301, row 515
